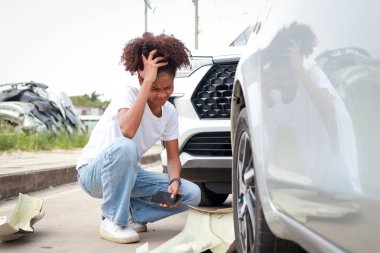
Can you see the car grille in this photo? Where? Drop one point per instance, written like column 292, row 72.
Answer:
column 209, row 144
column 171, row 100
column 212, row 97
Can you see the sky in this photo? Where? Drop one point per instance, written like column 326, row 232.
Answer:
column 75, row 46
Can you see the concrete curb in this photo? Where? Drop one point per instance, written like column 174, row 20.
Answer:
column 28, row 181
column 151, row 158
column 24, row 182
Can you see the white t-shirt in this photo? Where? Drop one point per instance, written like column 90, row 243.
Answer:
column 151, row 128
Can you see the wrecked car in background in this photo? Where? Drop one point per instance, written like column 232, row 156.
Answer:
column 29, row 106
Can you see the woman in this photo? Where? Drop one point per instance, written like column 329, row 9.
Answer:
column 135, row 120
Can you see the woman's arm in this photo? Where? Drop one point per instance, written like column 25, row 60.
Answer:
column 174, row 165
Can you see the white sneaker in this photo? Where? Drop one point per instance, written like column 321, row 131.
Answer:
column 114, row 233
column 136, row 226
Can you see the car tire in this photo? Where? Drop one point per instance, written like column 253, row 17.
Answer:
column 252, row 233
column 210, row 198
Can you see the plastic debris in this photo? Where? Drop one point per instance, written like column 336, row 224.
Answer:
column 28, row 211
column 204, row 230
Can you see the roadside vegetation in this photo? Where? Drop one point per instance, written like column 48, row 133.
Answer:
column 11, row 140
column 92, row 99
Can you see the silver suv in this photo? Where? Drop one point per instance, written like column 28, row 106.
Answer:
column 305, row 129
column 202, row 97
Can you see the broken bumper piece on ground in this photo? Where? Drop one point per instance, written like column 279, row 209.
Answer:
column 28, row 211
column 204, row 230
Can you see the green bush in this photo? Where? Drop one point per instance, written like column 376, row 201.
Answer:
column 10, row 141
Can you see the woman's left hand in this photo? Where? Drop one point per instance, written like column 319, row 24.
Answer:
column 173, row 188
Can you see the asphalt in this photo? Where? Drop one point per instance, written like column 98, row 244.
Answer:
column 32, row 171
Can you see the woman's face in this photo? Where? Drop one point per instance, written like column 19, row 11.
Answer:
column 161, row 89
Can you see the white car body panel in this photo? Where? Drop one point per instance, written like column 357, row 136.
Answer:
column 344, row 219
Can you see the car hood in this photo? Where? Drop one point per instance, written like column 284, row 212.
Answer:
column 217, row 53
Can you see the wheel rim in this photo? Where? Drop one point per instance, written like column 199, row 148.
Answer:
column 245, row 201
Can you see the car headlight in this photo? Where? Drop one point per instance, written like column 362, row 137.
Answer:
column 196, row 63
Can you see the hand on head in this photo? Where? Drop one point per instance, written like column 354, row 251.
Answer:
column 151, row 65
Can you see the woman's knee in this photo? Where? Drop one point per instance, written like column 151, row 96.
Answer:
column 89, row 182
column 191, row 192
column 125, row 150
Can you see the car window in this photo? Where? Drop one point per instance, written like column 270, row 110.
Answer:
column 242, row 39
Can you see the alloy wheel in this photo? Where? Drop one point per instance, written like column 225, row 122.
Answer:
column 246, row 199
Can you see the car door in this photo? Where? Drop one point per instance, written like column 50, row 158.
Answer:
column 318, row 79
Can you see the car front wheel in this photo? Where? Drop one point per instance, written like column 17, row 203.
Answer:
column 252, row 233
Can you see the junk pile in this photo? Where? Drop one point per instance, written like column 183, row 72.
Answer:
column 29, row 106
column 28, row 211
column 204, row 230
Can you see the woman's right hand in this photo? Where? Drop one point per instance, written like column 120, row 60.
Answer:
column 149, row 73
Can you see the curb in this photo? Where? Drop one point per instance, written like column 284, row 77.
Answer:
column 151, row 158
column 12, row 184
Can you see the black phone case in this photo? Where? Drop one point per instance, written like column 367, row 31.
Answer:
column 162, row 197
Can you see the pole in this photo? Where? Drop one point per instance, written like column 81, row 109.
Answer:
column 146, row 6
column 146, row 18
column 196, row 32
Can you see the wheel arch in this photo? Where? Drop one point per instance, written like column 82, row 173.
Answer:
column 271, row 213
column 237, row 104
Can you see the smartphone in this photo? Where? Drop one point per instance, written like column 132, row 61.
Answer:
column 162, row 197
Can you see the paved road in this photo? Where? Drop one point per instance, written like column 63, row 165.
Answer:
column 71, row 224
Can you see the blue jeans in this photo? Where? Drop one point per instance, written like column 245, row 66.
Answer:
column 116, row 177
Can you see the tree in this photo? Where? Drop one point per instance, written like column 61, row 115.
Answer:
column 91, row 99
column 95, row 96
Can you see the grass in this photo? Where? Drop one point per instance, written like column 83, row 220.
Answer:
column 12, row 138
column 12, row 141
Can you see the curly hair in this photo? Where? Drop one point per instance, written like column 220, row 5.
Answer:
column 275, row 52
column 175, row 52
